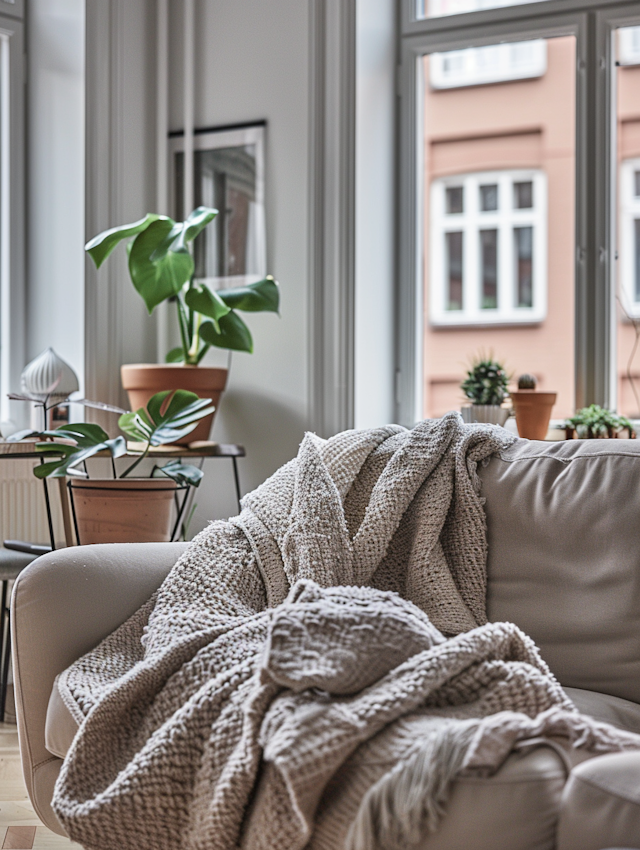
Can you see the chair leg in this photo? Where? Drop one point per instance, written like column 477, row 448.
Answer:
column 3, row 610
column 5, row 667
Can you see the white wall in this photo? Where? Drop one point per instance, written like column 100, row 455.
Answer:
column 55, row 162
column 252, row 62
column 375, row 99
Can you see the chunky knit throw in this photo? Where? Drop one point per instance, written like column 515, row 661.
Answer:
column 290, row 684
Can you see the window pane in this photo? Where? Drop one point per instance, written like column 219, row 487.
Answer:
column 437, row 8
column 455, row 199
column 505, row 281
column 454, row 270
column 524, row 265
column 489, row 198
column 523, row 195
column 626, row 278
column 489, row 259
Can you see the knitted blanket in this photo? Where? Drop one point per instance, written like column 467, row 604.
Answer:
column 291, row 684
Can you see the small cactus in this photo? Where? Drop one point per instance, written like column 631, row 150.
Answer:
column 527, row 382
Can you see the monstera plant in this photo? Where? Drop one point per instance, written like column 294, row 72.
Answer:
column 124, row 508
column 161, row 268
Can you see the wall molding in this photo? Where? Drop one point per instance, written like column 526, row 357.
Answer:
column 332, row 123
column 104, row 143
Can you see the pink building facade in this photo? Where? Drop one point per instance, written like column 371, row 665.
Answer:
column 499, row 223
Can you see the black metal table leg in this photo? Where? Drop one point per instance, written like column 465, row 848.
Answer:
column 5, row 664
column 237, row 480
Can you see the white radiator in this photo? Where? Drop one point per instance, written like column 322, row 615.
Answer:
column 23, row 513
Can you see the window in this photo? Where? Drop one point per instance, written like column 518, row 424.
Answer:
column 437, row 8
column 478, row 66
column 630, row 236
column 629, row 46
column 488, row 248
column 542, row 234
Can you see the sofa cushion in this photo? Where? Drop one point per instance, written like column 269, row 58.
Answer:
column 618, row 712
column 60, row 725
column 601, row 804
column 564, row 556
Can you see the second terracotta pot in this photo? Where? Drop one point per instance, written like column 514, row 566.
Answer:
column 533, row 412
column 122, row 510
column 142, row 380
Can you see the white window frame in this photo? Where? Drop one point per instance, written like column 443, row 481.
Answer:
column 594, row 23
column 12, row 210
column 471, row 221
column 493, row 63
column 629, row 213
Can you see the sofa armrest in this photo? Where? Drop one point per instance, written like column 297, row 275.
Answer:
column 63, row 605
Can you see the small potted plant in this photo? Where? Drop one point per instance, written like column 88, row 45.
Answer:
column 532, row 408
column 595, row 422
column 486, row 386
column 124, row 509
column 161, row 269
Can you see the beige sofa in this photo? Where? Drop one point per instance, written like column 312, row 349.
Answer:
column 564, row 564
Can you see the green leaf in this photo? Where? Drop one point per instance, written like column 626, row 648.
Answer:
column 182, row 473
column 191, row 227
column 203, row 300
column 74, row 455
column 158, row 425
column 234, row 334
column 263, row 296
column 159, row 280
column 103, row 244
column 134, row 426
column 176, row 355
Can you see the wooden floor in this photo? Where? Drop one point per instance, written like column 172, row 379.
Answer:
column 20, row 828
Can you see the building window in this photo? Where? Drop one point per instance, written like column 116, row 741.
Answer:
column 630, row 236
column 629, row 46
column 488, row 249
column 495, row 63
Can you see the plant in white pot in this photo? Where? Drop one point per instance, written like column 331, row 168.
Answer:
column 125, row 509
column 161, row 268
column 486, row 386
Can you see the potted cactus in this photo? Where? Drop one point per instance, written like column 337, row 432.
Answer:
column 595, row 422
column 532, row 408
column 486, row 386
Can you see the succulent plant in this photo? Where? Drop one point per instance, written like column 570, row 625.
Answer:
column 486, row 382
column 527, row 382
column 596, row 421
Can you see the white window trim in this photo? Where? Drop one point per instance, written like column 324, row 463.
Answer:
column 472, row 71
column 629, row 212
column 12, row 230
column 471, row 222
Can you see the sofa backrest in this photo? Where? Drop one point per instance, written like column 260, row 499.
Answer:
column 563, row 524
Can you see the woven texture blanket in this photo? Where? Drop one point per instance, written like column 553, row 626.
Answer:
column 315, row 666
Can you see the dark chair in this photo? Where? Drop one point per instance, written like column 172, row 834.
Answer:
column 11, row 565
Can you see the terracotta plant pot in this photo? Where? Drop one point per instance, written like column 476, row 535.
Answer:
column 533, row 412
column 123, row 510
column 492, row 414
column 142, row 380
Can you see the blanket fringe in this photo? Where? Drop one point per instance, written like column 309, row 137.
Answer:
column 410, row 799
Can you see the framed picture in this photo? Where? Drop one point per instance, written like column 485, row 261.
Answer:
column 228, row 174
